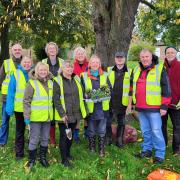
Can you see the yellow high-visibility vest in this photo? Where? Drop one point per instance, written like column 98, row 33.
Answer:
column 88, row 87
column 59, row 80
column 153, row 86
column 9, row 68
column 126, row 84
column 20, row 88
column 59, row 59
column 41, row 105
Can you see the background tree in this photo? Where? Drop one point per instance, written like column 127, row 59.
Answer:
column 135, row 49
column 113, row 26
column 160, row 20
column 38, row 21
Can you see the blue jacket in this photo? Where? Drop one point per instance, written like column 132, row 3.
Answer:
column 12, row 91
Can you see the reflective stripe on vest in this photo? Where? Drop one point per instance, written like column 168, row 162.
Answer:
column 9, row 68
column 20, row 88
column 153, row 87
column 88, row 87
column 41, row 105
column 59, row 59
column 59, row 80
column 126, row 83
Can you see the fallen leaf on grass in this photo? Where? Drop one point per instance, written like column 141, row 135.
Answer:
column 150, row 160
column 143, row 171
column 26, row 168
column 119, row 176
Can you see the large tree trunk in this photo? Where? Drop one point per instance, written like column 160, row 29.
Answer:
column 113, row 25
column 4, row 43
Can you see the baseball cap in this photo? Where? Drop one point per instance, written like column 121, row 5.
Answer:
column 120, row 54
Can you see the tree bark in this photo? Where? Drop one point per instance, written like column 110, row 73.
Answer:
column 4, row 43
column 113, row 25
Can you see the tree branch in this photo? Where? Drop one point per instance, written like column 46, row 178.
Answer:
column 148, row 4
column 157, row 10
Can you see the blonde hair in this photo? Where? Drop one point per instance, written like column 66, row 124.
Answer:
column 26, row 58
column 38, row 65
column 94, row 56
column 79, row 49
column 51, row 43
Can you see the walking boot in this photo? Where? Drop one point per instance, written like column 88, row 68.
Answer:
column 43, row 160
column 101, row 146
column 92, row 144
column 108, row 140
column 120, row 133
column 32, row 158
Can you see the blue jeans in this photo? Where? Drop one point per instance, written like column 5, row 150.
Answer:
column 97, row 127
column 4, row 130
column 152, row 133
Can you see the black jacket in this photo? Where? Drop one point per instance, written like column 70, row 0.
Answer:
column 117, row 91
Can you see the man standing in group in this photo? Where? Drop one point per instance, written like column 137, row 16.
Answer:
column 8, row 67
column 173, row 68
column 151, row 96
column 119, row 76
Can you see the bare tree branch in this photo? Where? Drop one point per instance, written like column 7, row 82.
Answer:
column 148, row 4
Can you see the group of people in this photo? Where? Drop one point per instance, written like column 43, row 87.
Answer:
column 56, row 90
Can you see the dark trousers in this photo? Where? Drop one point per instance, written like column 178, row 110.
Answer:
column 175, row 118
column 121, row 120
column 19, row 140
column 64, row 142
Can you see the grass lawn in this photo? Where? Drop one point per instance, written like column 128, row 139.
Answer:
column 116, row 165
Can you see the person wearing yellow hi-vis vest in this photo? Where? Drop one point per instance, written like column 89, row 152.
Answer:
column 38, row 111
column 94, row 79
column 80, row 66
column 14, row 102
column 119, row 76
column 151, row 96
column 55, row 64
column 9, row 66
column 69, row 107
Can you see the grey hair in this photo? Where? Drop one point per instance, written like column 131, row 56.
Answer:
column 145, row 50
column 79, row 49
column 26, row 58
column 51, row 43
column 64, row 64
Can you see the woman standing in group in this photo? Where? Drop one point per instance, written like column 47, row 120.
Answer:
column 69, row 107
column 38, row 111
column 14, row 101
column 80, row 66
column 95, row 78
column 54, row 63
